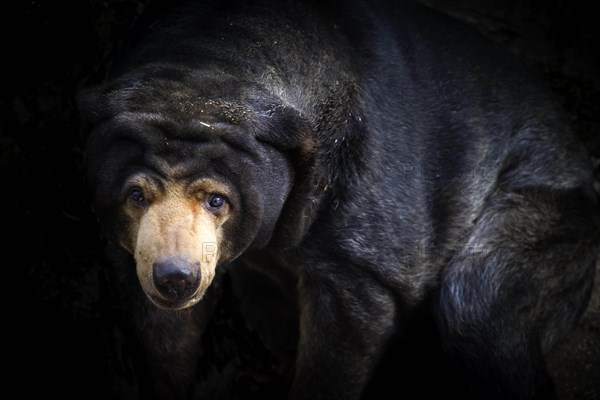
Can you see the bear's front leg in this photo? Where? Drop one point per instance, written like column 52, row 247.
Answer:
column 168, row 352
column 346, row 320
column 165, row 344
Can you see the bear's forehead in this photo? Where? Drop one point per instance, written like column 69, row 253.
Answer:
column 160, row 129
column 188, row 95
column 178, row 149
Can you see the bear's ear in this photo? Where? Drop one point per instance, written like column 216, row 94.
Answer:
column 285, row 129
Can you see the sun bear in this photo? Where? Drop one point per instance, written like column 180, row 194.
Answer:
column 385, row 154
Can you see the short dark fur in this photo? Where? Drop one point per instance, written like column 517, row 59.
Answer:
column 387, row 154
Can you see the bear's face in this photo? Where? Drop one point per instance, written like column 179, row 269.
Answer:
column 175, row 233
column 184, row 187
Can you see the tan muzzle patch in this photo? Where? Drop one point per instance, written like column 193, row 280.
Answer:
column 176, row 249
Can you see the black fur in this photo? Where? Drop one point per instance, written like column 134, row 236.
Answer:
column 384, row 153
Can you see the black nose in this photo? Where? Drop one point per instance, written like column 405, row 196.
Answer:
column 176, row 278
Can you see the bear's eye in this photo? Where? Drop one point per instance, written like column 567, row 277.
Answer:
column 136, row 195
column 216, row 201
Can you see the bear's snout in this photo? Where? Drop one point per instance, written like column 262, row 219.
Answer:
column 176, row 278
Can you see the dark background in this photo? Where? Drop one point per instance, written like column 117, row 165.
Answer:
column 66, row 340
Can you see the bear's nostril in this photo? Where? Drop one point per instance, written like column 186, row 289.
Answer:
column 176, row 278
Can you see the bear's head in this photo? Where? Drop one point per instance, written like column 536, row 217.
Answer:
column 189, row 172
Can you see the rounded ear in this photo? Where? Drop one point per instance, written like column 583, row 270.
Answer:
column 324, row 166
column 284, row 129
